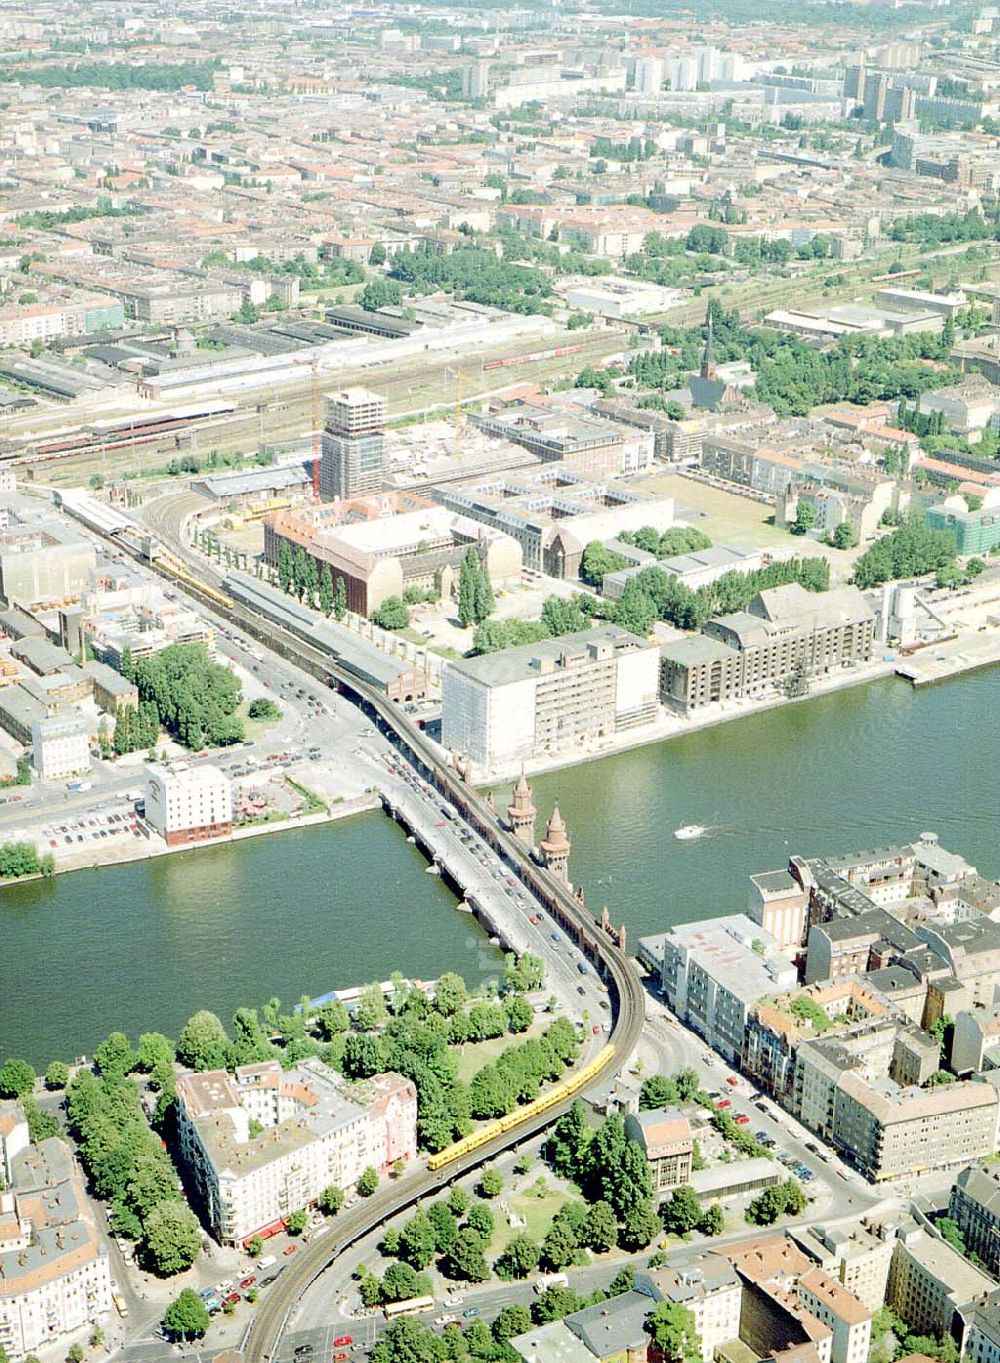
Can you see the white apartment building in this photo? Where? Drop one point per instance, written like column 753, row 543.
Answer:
column 55, row 1276
column 982, row 1342
column 931, row 1282
column 848, row 1318
column 708, row 1286
column 548, row 697
column 714, row 972
column 188, row 804
column 264, row 1142
column 60, row 746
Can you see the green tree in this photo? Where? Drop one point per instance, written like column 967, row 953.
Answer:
column 640, row 1226
column 511, row 1321
column 333, row 1019
column 623, row 1281
column 391, row 614
column 450, row 993
column 153, row 1052
column 555, row 1303
column 596, row 561
column 712, row 1221
column 445, row 1226
column 202, row 1042
column 41, row 1125
column 419, row 1240
column 672, row 1327
column 805, row 518
column 600, row 1230
column 16, row 1078
column 484, row 602
column 172, row 1238
column 330, row 1200
column 284, row 565
column 364, row 1055
column 187, row 1317
column 786, row 1197
column 409, row 1341
column 400, row 1282
column 340, row 600
column 114, row 1056
column 468, row 578
column 490, row 1183
column 368, row 1182
column 951, row 1231
column 519, row 1014
column 844, row 536
column 380, row 293
column 326, row 589
column 57, row 1075
column 297, row 1221
column 480, row 1219
column 522, row 974
column 466, row 1261
column 518, row 1258
column 255, row 1247
column 559, row 1246
column 681, row 1212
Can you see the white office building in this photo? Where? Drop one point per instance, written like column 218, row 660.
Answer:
column 60, row 746
column 189, row 804
column 566, row 693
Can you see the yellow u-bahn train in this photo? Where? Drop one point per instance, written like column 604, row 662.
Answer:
column 566, row 1088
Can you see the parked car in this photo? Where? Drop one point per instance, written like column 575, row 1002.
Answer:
column 742, row 1119
column 342, row 1341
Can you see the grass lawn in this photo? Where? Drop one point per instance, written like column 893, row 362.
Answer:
column 537, row 1213
column 255, row 728
column 728, row 519
column 476, row 1054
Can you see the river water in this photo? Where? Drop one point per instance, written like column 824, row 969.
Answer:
column 142, row 946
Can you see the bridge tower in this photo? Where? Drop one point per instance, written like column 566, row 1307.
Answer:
column 556, row 847
column 521, row 813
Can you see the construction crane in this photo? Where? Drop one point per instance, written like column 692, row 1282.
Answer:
column 314, row 366
column 457, row 371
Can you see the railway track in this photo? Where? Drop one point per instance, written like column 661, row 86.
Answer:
column 274, row 412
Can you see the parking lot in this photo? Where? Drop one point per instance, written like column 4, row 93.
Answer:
column 117, row 823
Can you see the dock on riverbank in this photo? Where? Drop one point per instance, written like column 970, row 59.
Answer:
column 966, row 652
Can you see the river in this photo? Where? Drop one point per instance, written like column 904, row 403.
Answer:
column 851, row 770
column 142, row 946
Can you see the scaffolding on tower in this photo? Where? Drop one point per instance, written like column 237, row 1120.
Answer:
column 315, row 425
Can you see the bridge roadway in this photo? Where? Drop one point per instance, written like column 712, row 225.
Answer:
column 626, row 995
column 625, row 991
